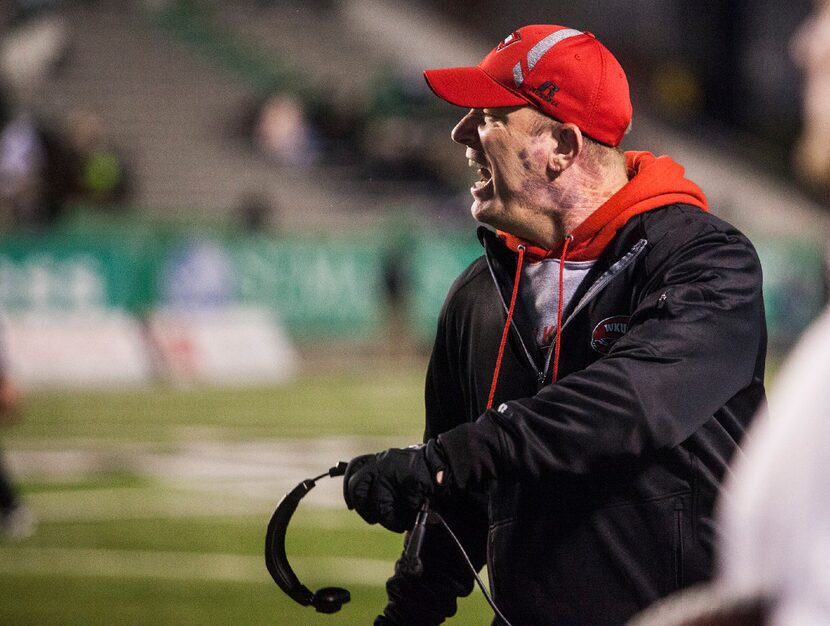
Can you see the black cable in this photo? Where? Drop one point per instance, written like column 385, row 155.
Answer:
column 472, row 568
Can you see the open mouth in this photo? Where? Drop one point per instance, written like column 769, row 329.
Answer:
column 485, row 176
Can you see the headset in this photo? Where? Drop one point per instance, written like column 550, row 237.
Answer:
column 332, row 599
column 325, row 600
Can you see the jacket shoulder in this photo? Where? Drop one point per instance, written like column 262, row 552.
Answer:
column 677, row 226
column 683, row 221
column 683, row 233
column 468, row 282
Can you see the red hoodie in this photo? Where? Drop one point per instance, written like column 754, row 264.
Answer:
column 653, row 182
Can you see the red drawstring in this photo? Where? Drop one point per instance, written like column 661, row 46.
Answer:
column 568, row 239
column 506, row 330
column 511, row 308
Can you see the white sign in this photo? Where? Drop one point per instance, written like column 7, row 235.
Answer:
column 222, row 346
column 61, row 349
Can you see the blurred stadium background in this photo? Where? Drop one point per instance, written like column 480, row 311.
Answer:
column 227, row 228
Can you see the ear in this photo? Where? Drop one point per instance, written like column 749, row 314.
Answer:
column 569, row 145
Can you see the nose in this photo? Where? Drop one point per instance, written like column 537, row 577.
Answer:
column 465, row 131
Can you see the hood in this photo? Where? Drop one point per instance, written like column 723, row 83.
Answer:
column 653, row 182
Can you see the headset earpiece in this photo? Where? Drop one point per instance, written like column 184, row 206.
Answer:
column 330, row 599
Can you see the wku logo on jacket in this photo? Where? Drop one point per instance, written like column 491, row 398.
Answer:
column 606, row 333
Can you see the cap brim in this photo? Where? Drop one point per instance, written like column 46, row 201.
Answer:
column 470, row 87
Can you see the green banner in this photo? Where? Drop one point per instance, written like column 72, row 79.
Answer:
column 794, row 285
column 328, row 286
column 318, row 286
column 72, row 273
column 435, row 262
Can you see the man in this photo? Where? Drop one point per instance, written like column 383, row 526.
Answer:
column 592, row 373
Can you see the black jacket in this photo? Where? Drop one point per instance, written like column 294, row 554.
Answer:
column 592, row 497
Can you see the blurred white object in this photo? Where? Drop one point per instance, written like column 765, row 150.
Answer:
column 76, row 349
column 776, row 514
column 228, row 345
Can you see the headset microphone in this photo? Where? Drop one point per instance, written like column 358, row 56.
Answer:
column 325, row 600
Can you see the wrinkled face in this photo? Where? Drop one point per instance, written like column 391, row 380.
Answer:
column 509, row 147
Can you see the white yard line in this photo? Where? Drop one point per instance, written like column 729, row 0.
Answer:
column 227, row 477
column 125, row 564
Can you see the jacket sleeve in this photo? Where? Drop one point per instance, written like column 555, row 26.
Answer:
column 432, row 597
column 695, row 335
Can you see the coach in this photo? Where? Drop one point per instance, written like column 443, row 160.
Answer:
column 593, row 372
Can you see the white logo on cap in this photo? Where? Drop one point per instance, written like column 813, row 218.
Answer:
column 511, row 38
column 539, row 50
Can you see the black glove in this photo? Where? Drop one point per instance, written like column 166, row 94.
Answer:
column 389, row 487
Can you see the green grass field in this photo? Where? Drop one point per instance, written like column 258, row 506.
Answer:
column 153, row 504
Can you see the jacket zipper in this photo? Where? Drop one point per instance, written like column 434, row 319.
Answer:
column 600, row 283
column 540, row 375
column 609, row 274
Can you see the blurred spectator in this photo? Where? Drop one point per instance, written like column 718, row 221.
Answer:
column 22, row 165
column 396, row 285
column 777, row 520
column 36, row 176
column 103, row 174
column 282, row 133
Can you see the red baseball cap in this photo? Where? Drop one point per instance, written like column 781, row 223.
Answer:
column 564, row 73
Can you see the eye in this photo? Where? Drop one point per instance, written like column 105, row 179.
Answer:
column 492, row 118
column 486, row 121
column 479, row 116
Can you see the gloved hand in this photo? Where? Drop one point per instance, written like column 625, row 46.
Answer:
column 389, row 487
